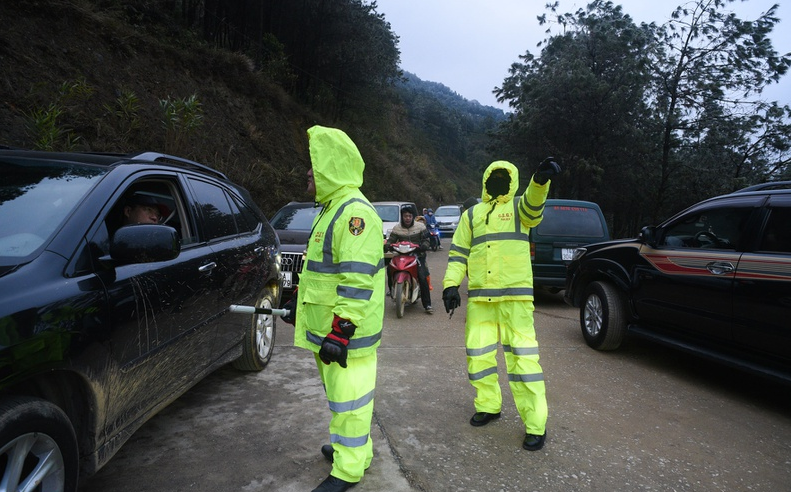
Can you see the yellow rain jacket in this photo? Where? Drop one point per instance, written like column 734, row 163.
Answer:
column 491, row 244
column 491, row 247
column 344, row 268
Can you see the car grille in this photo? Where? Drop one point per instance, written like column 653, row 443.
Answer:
column 292, row 262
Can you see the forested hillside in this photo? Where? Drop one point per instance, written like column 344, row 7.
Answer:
column 644, row 119
column 111, row 76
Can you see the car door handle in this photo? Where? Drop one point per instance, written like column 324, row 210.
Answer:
column 720, row 267
column 208, row 267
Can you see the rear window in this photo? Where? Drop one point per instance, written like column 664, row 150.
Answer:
column 564, row 220
column 447, row 212
column 388, row 213
column 295, row 219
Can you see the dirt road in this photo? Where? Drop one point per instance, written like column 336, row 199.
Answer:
column 642, row 418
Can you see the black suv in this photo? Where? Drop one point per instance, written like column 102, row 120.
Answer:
column 116, row 275
column 714, row 280
column 293, row 223
column 567, row 225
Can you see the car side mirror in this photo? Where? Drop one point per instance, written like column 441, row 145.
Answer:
column 648, row 236
column 144, row 243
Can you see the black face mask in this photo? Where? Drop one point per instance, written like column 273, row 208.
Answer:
column 499, row 183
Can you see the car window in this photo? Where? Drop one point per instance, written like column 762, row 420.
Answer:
column 297, row 219
column 246, row 219
column 447, row 212
column 388, row 213
column 36, row 199
column 218, row 217
column 562, row 220
column 777, row 234
column 164, row 190
column 714, row 228
column 167, row 194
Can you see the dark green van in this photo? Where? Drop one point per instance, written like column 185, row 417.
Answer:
column 567, row 224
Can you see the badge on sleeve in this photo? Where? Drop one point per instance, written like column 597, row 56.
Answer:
column 356, row 226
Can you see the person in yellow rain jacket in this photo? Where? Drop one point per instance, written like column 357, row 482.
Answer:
column 491, row 247
column 338, row 310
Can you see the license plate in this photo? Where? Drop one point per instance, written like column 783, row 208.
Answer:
column 567, row 254
column 286, row 280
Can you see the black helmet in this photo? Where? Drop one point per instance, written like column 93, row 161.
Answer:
column 409, row 208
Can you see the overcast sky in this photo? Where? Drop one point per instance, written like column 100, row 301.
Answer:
column 469, row 45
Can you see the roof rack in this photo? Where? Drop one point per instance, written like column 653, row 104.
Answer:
column 772, row 185
column 177, row 161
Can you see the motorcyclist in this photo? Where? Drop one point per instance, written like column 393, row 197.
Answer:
column 409, row 229
column 431, row 223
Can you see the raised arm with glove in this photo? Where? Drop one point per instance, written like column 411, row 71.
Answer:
column 546, row 170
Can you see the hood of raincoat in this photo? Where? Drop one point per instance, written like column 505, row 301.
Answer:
column 337, row 164
column 513, row 172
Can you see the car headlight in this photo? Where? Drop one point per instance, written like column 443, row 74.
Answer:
column 578, row 253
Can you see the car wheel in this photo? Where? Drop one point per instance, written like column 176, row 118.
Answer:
column 37, row 446
column 259, row 339
column 602, row 316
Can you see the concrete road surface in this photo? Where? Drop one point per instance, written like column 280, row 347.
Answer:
column 642, row 418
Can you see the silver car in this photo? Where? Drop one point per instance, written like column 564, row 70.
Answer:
column 448, row 217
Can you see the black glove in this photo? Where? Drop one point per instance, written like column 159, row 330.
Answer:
column 333, row 347
column 546, row 170
column 291, row 305
column 388, row 247
column 451, row 298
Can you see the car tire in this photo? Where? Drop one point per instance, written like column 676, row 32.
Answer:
column 37, row 442
column 259, row 339
column 603, row 316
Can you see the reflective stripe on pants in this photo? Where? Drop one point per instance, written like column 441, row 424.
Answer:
column 350, row 394
column 525, row 376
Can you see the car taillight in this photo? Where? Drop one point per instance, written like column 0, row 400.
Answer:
column 532, row 251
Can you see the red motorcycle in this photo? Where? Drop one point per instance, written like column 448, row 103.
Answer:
column 402, row 273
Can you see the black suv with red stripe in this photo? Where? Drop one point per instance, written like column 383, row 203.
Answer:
column 714, row 280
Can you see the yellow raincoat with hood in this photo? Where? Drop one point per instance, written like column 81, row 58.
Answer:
column 343, row 275
column 491, row 247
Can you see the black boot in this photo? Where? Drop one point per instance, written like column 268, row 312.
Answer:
column 327, row 450
column 483, row 418
column 333, row 484
column 533, row 442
